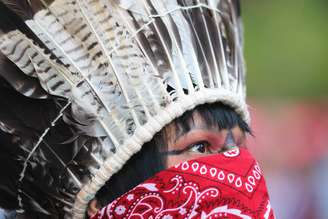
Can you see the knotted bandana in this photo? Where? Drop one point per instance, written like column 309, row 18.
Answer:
column 226, row 185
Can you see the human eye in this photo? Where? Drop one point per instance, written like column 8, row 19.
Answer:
column 199, row 147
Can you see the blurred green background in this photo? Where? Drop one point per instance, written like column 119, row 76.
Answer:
column 286, row 49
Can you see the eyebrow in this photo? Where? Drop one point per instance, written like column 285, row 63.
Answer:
column 183, row 132
column 228, row 144
column 184, row 127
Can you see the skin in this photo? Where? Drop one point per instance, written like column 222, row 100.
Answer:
column 201, row 140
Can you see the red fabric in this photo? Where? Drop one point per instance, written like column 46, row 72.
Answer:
column 228, row 185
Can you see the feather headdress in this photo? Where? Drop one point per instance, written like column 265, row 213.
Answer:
column 85, row 83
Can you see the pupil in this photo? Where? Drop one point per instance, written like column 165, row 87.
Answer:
column 201, row 148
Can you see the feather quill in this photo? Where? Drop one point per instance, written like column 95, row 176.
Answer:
column 131, row 58
column 221, row 56
column 202, row 58
column 65, row 46
column 143, row 68
column 176, row 79
column 47, row 80
column 182, row 50
column 212, row 57
column 80, row 67
column 147, row 65
column 105, row 38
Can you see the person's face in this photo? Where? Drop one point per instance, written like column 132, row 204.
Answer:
column 202, row 140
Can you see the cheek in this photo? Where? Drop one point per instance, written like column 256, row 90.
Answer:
column 176, row 159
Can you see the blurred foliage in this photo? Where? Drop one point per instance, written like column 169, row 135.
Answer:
column 286, row 48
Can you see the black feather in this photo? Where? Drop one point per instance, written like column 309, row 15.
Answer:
column 25, row 9
column 9, row 20
column 46, row 180
column 25, row 85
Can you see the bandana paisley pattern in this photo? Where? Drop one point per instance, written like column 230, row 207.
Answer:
column 227, row 185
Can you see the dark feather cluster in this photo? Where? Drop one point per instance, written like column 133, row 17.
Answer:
column 23, row 120
column 26, row 110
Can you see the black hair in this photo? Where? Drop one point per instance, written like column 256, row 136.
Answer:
column 149, row 160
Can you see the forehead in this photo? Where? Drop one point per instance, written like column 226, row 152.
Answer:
column 192, row 121
column 197, row 121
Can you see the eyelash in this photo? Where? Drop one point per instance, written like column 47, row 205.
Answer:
column 187, row 149
column 207, row 147
column 193, row 146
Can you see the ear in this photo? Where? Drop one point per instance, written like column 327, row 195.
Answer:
column 92, row 208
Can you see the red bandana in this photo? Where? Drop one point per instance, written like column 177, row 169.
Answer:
column 228, row 185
